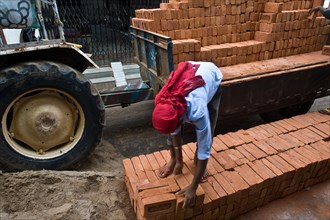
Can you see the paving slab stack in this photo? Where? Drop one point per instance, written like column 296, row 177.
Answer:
column 247, row 169
column 229, row 32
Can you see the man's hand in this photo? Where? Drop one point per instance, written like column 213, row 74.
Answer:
column 316, row 9
column 189, row 196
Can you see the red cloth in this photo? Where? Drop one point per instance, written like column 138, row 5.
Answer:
column 170, row 102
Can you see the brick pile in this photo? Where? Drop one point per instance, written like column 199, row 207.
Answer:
column 229, row 32
column 247, row 169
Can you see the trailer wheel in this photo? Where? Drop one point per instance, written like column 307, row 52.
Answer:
column 51, row 117
column 297, row 109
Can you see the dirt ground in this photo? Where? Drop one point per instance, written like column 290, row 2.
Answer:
column 96, row 190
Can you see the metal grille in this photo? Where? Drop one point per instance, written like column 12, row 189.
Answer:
column 102, row 26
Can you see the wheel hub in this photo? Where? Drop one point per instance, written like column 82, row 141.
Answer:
column 43, row 121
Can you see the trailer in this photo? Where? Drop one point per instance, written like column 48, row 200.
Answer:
column 53, row 112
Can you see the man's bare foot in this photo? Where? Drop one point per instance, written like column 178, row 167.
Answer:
column 167, row 169
column 204, row 177
column 178, row 168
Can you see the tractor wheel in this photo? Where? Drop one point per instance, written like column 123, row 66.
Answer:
column 297, row 109
column 51, row 117
column 270, row 116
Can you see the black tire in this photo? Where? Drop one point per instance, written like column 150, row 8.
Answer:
column 30, row 81
column 297, row 109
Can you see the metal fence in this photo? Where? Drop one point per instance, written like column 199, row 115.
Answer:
column 102, row 26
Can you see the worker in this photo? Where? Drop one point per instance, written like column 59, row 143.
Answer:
column 191, row 95
column 324, row 11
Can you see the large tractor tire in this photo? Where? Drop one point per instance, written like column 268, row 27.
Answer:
column 51, row 116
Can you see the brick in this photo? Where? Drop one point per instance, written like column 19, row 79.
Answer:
column 187, row 150
column 264, row 36
column 222, row 195
column 290, row 139
column 263, row 171
column 153, row 162
column 224, row 160
column 317, row 131
column 236, row 156
column 326, row 50
column 224, row 184
column 218, row 145
column 228, row 140
column 158, row 204
column 294, row 123
column 321, row 118
column 249, row 175
column 288, row 127
column 272, row 167
column 323, row 127
column 160, row 159
column 278, row 127
column 262, row 145
column 244, row 136
column 166, row 155
column 257, row 134
column 300, row 137
column 268, row 17
column 217, row 166
column 254, row 151
column 270, row 129
column 237, row 138
column 237, row 182
column 243, row 151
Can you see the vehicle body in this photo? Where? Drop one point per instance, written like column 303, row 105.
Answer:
column 51, row 114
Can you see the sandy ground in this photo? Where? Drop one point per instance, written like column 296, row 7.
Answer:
column 96, row 190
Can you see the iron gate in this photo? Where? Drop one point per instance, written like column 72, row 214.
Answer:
column 102, row 26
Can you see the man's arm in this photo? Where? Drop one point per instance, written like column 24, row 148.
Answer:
column 324, row 11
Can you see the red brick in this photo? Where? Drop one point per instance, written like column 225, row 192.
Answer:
column 212, row 161
column 228, row 140
column 320, row 133
column 242, row 150
column 224, row 160
column 218, row 145
column 271, row 7
column 245, row 136
column 254, row 151
column 236, row 137
column 187, row 149
column 158, row 204
column 210, row 192
column 220, row 191
column 263, row 171
column 294, row 142
column 294, row 123
column 270, row 129
column 166, row 155
column 256, row 134
column 224, row 184
column 153, row 162
column 272, row 167
column 262, row 145
column 321, row 118
column 249, row 175
column 236, row 156
column 268, row 17
column 263, row 131
column 301, row 137
column 278, row 127
column 281, row 166
column 323, row 127
column 322, row 147
column 160, row 159
column 137, row 164
column 235, row 180
column 305, row 120
column 285, row 125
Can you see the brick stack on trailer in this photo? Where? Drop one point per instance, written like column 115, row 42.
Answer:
column 229, row 32
column 247, row 169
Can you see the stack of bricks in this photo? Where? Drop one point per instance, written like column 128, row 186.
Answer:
column 247, row 169
column 277, row 28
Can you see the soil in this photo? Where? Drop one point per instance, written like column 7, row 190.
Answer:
column 96, row 189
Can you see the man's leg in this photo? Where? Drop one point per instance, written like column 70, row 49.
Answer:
column 175, row 164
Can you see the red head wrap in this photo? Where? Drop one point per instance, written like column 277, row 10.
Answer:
column 170, row 103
